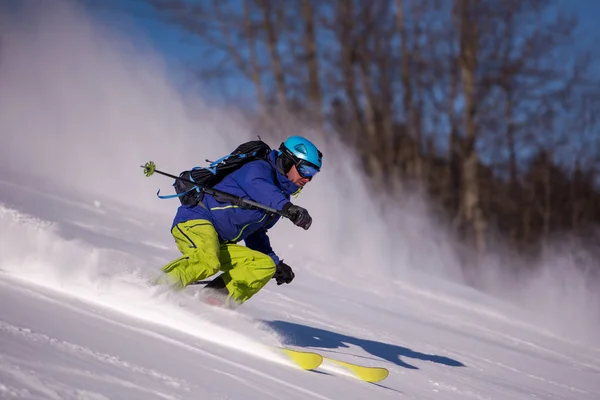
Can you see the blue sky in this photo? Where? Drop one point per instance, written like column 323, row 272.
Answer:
column 180, row 53
column 588, row 12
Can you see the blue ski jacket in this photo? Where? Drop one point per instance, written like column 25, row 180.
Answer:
column 259, row 181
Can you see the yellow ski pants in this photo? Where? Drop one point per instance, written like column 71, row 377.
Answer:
column 245, row 271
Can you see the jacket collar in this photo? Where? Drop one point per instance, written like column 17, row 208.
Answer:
column 286, row 185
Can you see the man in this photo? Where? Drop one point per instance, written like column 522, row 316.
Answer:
column 207, row 233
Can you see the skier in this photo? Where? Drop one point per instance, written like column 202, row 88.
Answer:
column 206, row 234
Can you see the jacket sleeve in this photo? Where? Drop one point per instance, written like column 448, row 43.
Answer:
column 257, row 180
column 259, row 241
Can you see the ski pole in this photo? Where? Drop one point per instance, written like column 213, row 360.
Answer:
column 150, row 169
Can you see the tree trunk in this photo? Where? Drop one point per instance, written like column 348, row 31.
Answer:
column 510, row 138
column 278, row 74
column 405, row 69
column 310, row 45
column 454, row 153
column 346, row 42
column 417, row 93
column 547, row 214
column 373, row 140
column 254, row 72
column 468, row 67
column 385, row 65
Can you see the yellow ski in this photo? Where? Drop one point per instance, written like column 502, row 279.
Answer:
column 309, row 360
column 367, row 374
column 304, row 359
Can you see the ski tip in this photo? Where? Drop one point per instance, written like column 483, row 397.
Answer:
column 371, row 375
column 377, row 375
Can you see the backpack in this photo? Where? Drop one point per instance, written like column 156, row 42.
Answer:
column 208, row 177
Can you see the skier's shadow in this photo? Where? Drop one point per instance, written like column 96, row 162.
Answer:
column 307, row 336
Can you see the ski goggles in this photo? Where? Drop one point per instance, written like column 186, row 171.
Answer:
column 306, row 169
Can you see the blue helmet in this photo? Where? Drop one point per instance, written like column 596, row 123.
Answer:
column 303, row 154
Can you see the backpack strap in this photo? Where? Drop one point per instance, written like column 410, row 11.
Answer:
column 172, row 196
column 212, row 167
column 196, row 188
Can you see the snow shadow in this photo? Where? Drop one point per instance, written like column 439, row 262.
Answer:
column 308, row 336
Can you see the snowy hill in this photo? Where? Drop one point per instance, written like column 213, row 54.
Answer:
column 77, row 322
column 82, row 235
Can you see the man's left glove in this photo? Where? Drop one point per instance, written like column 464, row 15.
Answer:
column 283, row 273
column 298, row 215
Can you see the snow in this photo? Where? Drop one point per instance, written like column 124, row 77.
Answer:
column 79, row 322
column 82, row 237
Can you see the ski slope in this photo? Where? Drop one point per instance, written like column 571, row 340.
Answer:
column 82, row 236
column 80, row 321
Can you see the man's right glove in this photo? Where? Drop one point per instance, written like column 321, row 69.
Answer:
column 298, row 215
column 283, row 273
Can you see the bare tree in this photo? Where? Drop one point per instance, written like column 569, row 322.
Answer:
column 268, row 8
column 472, row 98
column 345, row 30
column 314, row 92
column 468, row 62
column 250, row 31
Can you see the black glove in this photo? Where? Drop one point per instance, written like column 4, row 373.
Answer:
column 298, row 215
column 283, row 273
